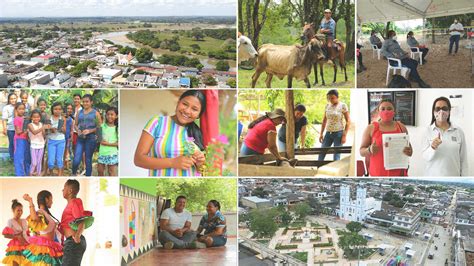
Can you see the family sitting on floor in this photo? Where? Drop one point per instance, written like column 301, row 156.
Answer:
column 176, row 232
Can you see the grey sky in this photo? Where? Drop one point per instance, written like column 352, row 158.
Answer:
column 86, row 8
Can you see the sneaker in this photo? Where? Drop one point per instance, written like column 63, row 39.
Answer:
column 169, row 245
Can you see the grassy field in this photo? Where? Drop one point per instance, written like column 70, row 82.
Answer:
column 115, row 26
column 207, row 44
column 245, row 79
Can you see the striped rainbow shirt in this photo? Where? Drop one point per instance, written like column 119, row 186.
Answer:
column 170, row 142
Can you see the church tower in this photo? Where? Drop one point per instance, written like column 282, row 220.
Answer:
column 361, row 203
column 344, row 201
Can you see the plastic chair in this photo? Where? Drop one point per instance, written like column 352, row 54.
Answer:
column 375, row 49
column 403, row 70
column 414, row 51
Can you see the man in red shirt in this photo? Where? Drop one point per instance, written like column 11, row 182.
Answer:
column 73, row 216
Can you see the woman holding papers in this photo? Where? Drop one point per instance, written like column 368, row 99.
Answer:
column 444, row 143
column 372, row 147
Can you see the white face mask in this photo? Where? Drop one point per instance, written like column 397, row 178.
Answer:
column 441, row 116
column 394, row 38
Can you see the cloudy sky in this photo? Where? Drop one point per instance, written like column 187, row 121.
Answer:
column 85, row 8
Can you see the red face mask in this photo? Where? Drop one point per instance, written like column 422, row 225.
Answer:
column 386, row 115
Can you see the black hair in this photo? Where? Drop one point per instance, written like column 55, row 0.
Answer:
column 372, row 32
column 36, row 111
column 444, row 99
column 192, row 128
column 18, row 105
column 74, row 184
column 9, row 96
column 40, row 100
column 23, row 93
column 216, row 204
column 386, row 100
column 300, row 107
column 111, row 108
column 390, row 33
column 76, row 94
column 409, row 33
column 180, row 197
column 54, row 105
column 65, row 110
column 15, row 203
column 88, row 96
column 41, row 199
column 258, row 120
column 333, row 92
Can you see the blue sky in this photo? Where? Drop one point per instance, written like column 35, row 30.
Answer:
column 86, row 8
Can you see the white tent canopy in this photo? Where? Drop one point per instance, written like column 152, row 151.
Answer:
column 397, row 10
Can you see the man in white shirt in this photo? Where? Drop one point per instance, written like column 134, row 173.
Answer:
column 175, row 226
column 455, row 30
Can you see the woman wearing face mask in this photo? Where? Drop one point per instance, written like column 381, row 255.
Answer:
column 391, row 49
column 372, row 140
column 444, row 143
column 173, row 145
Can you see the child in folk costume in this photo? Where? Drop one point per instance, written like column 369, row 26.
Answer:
column 17, row 231
column 43, row 249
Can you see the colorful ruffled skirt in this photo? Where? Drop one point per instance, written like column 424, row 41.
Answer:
column 14, row 251
column 43, row 252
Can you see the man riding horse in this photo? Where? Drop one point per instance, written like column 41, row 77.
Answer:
column 333, row 48
column 328, row 28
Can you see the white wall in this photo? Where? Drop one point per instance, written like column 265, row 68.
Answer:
column 424, row 102
column 136, row 108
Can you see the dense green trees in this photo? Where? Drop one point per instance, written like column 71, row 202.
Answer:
column 222, row 65
column 145, row 37
column 143, row 55
column 199, row 191
column 179, row 60
column 302, row 210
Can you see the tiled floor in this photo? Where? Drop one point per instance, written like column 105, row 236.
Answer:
column 226, row 255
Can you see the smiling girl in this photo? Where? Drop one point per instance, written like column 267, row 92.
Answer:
column 173, row 145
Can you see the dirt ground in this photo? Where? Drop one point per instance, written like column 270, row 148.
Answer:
column 441, row 70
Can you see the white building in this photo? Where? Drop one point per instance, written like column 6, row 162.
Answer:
column 254, row 202
column 107, row 74
column 406, row 221
column 37, row 78
column 356, row 210
column 126, row 60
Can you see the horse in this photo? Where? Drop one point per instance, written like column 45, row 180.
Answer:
column 338, row 51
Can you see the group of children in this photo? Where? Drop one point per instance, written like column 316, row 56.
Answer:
column 73, row 129
column 41, row 239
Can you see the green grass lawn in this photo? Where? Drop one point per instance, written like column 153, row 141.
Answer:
column 207, row 44
column 245, row 79
column 263, row 241
column 364, row 253
column 6, row 168
column 302, row 256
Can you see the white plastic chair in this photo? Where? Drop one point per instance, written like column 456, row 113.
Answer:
column 375, row 49
column 403, row 70
column 417, row 51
